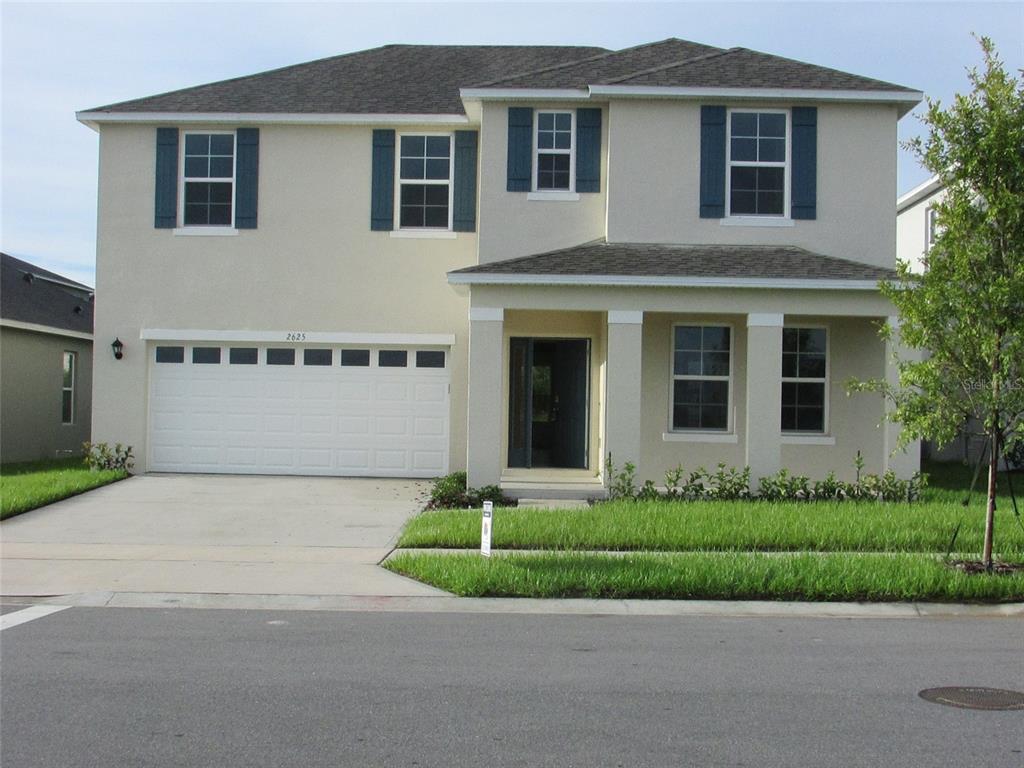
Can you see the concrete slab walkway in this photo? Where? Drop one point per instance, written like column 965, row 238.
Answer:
column 214, row 534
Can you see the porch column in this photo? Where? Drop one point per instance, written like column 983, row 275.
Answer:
column 622, row 387
column 486, row 399
column 764, row 396
column 904, row 462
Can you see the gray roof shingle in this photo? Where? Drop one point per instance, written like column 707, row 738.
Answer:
column 63, row 304
column 782, row 262
column 426, row 79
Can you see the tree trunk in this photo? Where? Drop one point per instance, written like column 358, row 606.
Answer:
column 990, row 513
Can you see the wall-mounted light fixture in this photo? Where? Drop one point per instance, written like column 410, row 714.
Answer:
column 118, row 348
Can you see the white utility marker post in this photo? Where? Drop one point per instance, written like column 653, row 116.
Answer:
column 485, row 529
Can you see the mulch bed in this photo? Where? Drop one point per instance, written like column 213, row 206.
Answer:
column 976, row 566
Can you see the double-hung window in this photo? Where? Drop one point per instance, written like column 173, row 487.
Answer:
column 701, row 376
column 208, row 180
column 804, row 379
column 931, row 228
column 67, row 393
column 425, row 182
column 758, row 164
column 553, row 160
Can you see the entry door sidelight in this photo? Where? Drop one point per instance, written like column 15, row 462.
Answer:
column 548, row 402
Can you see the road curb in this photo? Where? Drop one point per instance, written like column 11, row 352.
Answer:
column 569, row 607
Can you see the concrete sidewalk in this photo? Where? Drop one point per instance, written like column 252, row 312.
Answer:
column 214, row 534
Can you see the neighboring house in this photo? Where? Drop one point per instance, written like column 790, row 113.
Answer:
column 45, row 362
column 515, row 260
column 916, row 227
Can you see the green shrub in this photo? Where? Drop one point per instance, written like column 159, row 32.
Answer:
column 100, row 456
column 450, row 492
column 621, row 484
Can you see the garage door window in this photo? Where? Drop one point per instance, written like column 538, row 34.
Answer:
column 170, row 354
column 355, row 357
column 317, row 357
column 429, row 359
column 242, row 356
column 393, row 358
column 281, row 356
column 205, row 355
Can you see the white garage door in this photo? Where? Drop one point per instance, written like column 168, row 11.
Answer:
column 275, row 409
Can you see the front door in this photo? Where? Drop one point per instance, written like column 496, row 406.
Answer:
column 548, row 402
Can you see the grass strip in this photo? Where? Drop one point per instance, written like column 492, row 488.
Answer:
column 28, row 485
column 724, row 526
column 708, row 576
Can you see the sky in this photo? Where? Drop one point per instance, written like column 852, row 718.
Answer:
column 58, row 58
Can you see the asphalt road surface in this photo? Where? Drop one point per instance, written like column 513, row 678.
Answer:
column 178, row 687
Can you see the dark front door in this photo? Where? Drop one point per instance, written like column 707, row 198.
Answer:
column 548, row 402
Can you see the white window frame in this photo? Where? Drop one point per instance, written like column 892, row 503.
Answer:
column 183, row 180
column 931, row 227
column 674, row 377
column 805, row 380
column 450, row 182
column 786, row 165
column 73, row 356
column 571, row 152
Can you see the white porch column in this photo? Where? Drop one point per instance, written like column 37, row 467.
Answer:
column 904, row 462
column 622, row 387
column 485, row 412
column 764, row 396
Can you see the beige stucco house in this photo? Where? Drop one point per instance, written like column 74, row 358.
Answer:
column 515, row 260
column 45, row 362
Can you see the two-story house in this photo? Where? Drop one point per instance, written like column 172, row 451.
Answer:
column 515, row 260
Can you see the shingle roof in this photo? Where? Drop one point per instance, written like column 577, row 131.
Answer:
column 425, row 79
column 781, row 262
column 393, row 79
column 45, row 298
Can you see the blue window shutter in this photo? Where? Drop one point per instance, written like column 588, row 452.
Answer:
column 712, row 162
column 382, row 193
column 520, row 149
column 166, row 208
column 588, row 150
column 247, row 174
column 464, row 196
column 804, row 204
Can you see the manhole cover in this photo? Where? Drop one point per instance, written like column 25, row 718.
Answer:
column 974, row 698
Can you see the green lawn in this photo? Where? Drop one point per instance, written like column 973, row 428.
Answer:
column 707, row 576
column 32, row 484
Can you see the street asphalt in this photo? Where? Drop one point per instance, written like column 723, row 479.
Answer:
column 182, row 687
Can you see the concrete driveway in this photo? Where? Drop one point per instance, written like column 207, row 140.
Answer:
column 223, row 534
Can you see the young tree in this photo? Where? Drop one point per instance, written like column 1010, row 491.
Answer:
column 967, row 309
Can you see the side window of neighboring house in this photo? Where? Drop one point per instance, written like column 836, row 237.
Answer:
column 425, row 182
column 208, row 179
column 554, row 161
column 701, row 377
column 67, row 400
column 931, row 227
column 804, row 379
column 758, row 164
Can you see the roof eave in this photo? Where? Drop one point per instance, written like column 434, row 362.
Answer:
column 93, row 119
column 661, row 281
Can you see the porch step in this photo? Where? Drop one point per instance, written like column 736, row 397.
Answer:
column 554, row 503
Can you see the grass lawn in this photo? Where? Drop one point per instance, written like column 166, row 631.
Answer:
column 708, row 576
column 32, row 484
column 726, row 550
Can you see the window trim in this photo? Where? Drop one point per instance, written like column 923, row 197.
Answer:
column 554, row 194
column 787, row 166
column 421, row 231
column 730, row 426
column 198, row 229
column 931, row 227
column 827, row 381
column 73, row 356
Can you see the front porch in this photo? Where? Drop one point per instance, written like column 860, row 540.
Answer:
column 689, row 380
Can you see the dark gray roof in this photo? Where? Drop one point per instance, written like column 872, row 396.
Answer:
column 781, row 262
column 30, row 294
column 425, row 79
column 394, row 79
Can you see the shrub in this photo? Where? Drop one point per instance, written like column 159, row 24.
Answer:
column 99, row 456
column 451, row 492
column 621, row 484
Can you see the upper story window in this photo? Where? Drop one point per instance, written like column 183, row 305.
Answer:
column 424, row 188
column 701, row 377
column 931, row 224
column 554, row 159
column 804, row 379
column 208, row 180
column 758, row 174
